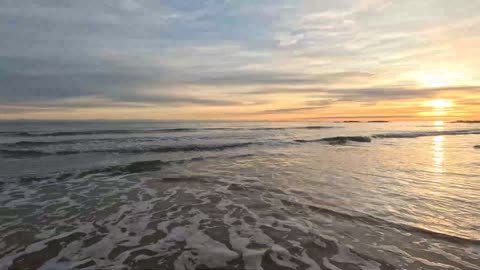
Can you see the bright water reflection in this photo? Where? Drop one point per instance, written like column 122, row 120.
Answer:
column 438, row 153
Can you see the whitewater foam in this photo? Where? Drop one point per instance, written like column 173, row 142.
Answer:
column 427, row 134
column 139, row 131
column 340, row 140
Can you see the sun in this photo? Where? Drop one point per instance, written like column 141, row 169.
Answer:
column 440, row 104
column 439, row 108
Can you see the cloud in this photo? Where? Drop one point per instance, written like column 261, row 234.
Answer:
column 267, row 77
column 321, row 103
column 367, row 94
column 228, row 54
column 127, row 101
column 287, row 39
column 175, row 100
column 290, row 110
column 392, row 94
column 377, row 94
column 39, row 79
column 356, row 117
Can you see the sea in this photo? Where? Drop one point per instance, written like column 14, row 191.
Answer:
column 239, row 195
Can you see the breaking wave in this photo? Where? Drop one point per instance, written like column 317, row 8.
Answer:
column 159, row 149
column 371, row 220
column 163, row 130
column 13, row 151
column 26, row 144
column 93, row 132
column 26, row 153
column 339, row 140
column 427, row 134
column 22, row 153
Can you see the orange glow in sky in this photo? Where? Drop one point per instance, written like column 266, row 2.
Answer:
column 440, row 104
column 278, row 61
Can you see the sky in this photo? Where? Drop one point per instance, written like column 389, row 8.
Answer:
column 312, row 60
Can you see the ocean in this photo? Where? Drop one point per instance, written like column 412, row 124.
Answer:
column 239, row 195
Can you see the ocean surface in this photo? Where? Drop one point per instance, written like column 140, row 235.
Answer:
column 217, row 195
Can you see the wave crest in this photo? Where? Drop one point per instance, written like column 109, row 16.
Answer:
column 426, row 134
column 340, row 140
column 162, row 130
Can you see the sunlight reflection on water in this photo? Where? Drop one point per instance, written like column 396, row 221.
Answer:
column 438, row 153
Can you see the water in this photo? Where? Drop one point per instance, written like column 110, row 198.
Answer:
column 159, row 195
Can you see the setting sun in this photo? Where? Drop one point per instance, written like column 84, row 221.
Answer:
column 439, row 104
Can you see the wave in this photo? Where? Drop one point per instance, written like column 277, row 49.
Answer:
column 371, row 220
column 427, row 134
column 318, row 127
column 270, row 128
column 22, row 153
column 25, row 153
column 10, row 133
column 135, row 167
column 36, row 143
column 90, row 140
column 93, row 132
column 167, row 149
column 164, row 130
column 161, row 149
column 339, row 140
column 129, row 168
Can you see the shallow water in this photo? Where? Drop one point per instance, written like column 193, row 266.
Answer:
column 150, row 195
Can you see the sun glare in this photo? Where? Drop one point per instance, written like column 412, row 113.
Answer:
column 440, row 104
column 439, row 123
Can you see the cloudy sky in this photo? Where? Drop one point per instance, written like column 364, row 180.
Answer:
column 240, row 59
